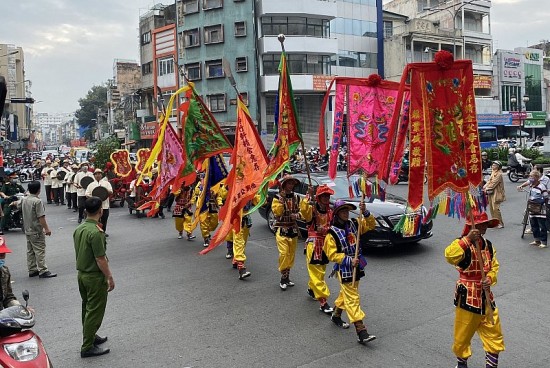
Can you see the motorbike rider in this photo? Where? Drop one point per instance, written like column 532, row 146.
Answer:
column 10, row 188
column 8, row 298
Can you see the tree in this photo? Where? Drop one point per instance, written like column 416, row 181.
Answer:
column 104, row 149
column 87, row 114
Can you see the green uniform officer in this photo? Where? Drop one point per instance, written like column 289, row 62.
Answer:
column 94, row 277
column 7, row 191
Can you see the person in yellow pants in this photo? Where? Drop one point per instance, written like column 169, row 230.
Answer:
column 182, row 214
column 470, row 291
column 340, row 244
column 208, row 217
column 318, row 215
column 285, row 207
column 239, row 240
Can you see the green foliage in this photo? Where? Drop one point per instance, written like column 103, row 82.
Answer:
column 541, row 161
column 104, row 148
column 95, row 99
column 500, row 154
column 531, row 153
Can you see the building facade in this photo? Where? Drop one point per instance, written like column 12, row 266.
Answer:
column 211, row 33
column 462, row 28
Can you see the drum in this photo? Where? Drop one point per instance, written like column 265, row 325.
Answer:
column 85, row 181
column 101, row 192
column 61, row 174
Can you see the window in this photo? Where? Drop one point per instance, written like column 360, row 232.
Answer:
column 165, row 66
column 388, row 29
column 216, row 102
column 190, row 6
column 146, row 38
column 213, row 34
column 212, row 4
column 147, row 68
column 244, row 96
column 192, row 37
column 239, row 1
column 241, row 64
column 240, row 29
column 193, row 71
column 296, row 26
column 297, row 64
column 214, row 69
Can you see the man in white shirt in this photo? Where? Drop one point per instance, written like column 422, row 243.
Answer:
column 99, row 181
column 47, row 181
column 57, row 185
column 71, row 188
column 80, row 191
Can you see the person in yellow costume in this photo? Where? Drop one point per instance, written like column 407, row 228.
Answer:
column 208, row 218
column 238, row 240
column 318, row 214
column 285, row 207
column 471, row 305
column 340, row 244
column 182, row 213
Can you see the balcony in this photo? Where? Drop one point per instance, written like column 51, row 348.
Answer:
column 308, row 8
column 300, row 82
column 301, row 44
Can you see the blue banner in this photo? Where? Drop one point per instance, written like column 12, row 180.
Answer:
column 494, row 119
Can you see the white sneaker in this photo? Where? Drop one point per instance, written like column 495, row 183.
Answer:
column 528, row 231
column 180, row 235
column 536, row 242
column 542, row 245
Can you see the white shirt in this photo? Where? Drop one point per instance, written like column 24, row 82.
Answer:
column 46, row 176
column 81, row 192
column 102, row 183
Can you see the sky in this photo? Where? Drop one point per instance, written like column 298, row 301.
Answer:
column 70, row 45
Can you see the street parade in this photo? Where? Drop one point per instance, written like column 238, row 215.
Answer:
column 363, row 225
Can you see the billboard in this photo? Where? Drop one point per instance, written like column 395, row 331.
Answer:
column 512, row 67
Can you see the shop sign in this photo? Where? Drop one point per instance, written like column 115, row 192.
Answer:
column 483, row 81
column 321, row 82
column 494, row 119
column 148, row 130
column 512, row 68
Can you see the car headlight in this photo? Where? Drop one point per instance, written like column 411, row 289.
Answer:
column 23, row 351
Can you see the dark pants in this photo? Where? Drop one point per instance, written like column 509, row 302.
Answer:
column 538, row 225
column 48, row 193
column 58, row 195
column 74, row 200
column 81, row 200
column 104, row 218
column 69, row 198
column 93, row 292
column 169, row 201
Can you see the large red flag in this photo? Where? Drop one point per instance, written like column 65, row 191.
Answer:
column 249, row 161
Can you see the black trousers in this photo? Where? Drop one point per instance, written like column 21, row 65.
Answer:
column 74, row 200
column 48, row 193
column 104, row 218
column 58, row 195
column 69, row 198
column 81, row 200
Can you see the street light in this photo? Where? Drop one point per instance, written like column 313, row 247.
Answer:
column 519, row 106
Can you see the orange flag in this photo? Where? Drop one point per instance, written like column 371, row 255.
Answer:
column 248, row 163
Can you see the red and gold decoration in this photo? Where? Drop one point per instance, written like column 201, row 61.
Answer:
column 121, row 162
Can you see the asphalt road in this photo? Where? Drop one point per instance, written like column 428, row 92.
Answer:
column 174, row 308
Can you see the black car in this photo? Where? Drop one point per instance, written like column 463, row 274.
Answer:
column 387, row 213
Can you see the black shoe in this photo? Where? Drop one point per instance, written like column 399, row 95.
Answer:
column 229, row 255
column 326, row 308
column 311, row 294
column 235, row 266
column 75, row 209
column 47, row 275
column 33, row 274
column 62, row 203
column 98, row 340
column 282, row 285
column 364, row 337
column 289, row 283
column 162, row 215
column 106, row 235
column 243, row 274
column 79, row 221
column 95, row 351
column 191, row 236
column 337, row 320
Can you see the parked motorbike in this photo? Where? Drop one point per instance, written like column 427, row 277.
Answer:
column 19, row 345
column 514, row 175
column 28, row 173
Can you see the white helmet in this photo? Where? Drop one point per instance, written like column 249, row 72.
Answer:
column 511, row 150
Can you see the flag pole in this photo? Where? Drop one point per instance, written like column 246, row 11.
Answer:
column 281, row 37
column 488, row 306
column 358, row 240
